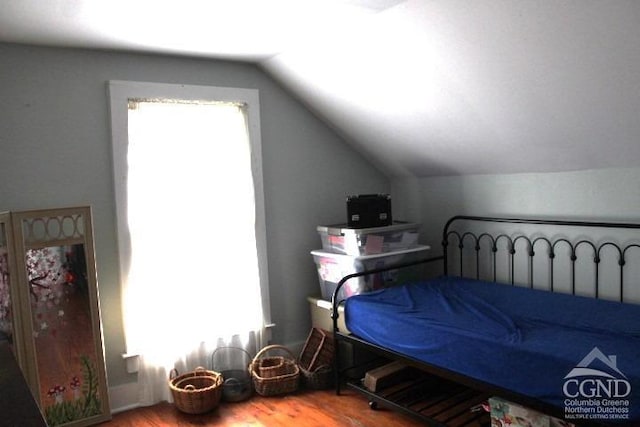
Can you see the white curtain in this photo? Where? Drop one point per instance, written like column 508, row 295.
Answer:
column 193, row 282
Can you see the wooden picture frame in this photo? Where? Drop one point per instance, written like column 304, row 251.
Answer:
column 10, row 323
column 60, row 335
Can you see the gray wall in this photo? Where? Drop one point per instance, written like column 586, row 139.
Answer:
column 604, row 194
column 56, row 151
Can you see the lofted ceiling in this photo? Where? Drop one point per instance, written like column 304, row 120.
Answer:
column 422, row 88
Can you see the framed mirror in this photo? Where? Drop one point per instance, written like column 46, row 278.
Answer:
column 9, row 302
column 63, row 358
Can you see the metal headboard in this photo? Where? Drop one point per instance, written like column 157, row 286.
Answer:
column 534, row 246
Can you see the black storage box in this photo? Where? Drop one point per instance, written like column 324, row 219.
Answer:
column 369, row 210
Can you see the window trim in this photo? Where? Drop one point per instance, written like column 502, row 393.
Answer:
column 119, row 92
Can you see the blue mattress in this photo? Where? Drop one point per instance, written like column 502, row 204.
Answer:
column 519, row 339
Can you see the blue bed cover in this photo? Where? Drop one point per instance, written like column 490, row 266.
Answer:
column 524, row 340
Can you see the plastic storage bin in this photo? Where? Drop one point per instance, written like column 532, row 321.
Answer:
column 320, row 310
column 368, row 241
column 332, row 267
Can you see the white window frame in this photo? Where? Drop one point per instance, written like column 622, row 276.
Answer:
column 119, row 94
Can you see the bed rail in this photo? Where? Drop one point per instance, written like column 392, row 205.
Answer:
column 335, row 302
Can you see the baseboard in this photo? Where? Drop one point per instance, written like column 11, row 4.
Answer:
column 123, row 397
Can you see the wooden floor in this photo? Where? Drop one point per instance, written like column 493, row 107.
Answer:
column 302, row 409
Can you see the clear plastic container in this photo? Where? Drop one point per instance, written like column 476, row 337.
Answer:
column 368, row 241
column 332, row 267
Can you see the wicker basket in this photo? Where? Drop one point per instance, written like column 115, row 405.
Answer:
column 270, row 367
column 316, row 360
column 196, row 392
column 286, row 378
column 319, row 379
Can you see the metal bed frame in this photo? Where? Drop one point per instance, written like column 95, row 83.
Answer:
column 456, row 392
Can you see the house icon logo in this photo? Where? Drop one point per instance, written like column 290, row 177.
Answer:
column 596, row 388
column 583, row 368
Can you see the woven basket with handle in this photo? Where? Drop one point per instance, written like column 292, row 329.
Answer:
column 237, row 384
column 195, row 392
column 283, row 380
column 316, row 360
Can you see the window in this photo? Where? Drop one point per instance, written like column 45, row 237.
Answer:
column 190, row 219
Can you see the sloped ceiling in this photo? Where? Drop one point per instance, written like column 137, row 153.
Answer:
column 422, row 88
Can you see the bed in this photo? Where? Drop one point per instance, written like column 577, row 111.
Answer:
column 528, row 310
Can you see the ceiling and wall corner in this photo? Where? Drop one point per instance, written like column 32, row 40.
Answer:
column 421, row 88
column 455, row 87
